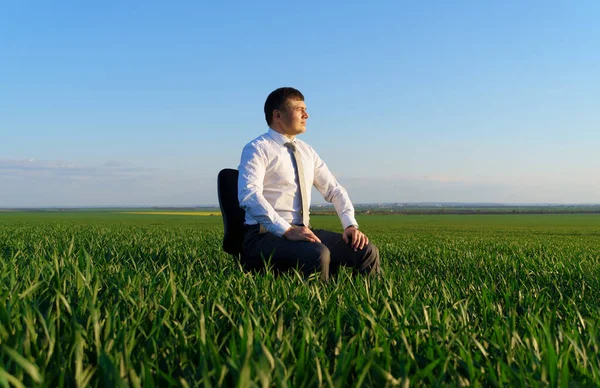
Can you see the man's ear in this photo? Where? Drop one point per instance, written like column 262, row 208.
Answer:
column 277, row 114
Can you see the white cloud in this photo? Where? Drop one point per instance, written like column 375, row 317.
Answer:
column 39, row 183
column 31, row 183
column 69, row 169
column 453, row 189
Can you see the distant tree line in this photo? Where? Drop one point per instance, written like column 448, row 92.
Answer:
column 463, row 210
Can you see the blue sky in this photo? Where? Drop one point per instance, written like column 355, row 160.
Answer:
column 142, row 103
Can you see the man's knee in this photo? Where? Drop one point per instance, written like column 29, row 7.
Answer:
column 320, row 255
column 370, row 262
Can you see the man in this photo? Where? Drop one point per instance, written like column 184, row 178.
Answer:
column 276, row 173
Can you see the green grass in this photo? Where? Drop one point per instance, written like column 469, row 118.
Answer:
column 142, row 300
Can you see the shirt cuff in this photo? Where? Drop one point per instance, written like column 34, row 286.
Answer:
column 279, row 227
column 349, row 221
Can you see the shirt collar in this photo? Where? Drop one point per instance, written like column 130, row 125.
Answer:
column 279, row 138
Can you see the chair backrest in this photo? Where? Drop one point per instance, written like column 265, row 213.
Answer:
column 233, row 214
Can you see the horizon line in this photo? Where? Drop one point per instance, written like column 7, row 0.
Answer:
column 314, row 205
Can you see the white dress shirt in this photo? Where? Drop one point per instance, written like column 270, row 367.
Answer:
column 269, row 192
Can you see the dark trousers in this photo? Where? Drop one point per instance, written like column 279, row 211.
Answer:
column 325, row 257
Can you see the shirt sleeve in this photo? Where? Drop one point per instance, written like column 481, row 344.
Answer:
column 250, row 191
column 333, row 192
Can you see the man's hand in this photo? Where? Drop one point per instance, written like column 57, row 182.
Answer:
column 355, row 238
column 300, row 233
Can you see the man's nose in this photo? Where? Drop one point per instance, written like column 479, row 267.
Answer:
column 305, row 114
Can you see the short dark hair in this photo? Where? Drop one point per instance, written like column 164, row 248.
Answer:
column 279, row 99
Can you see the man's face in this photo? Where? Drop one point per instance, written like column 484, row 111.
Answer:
column 293, row 118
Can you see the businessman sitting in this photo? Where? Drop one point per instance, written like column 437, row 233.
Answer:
column 276, row 173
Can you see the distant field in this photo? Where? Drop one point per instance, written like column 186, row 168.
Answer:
column 105, row 298
column 166, row 213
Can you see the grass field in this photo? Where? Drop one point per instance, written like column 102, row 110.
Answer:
column 109, row 299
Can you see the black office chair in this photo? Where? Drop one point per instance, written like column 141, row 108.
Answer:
column 233, row 214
